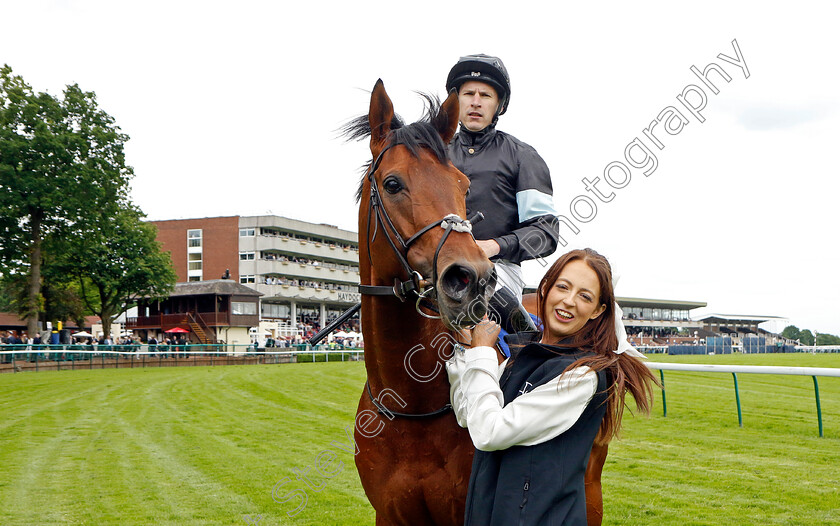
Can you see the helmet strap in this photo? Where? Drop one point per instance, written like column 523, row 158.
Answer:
column 502, row 104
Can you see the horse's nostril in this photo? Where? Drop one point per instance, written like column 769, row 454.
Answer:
column 456, row 281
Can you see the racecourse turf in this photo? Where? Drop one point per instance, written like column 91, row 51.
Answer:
column 206, row 445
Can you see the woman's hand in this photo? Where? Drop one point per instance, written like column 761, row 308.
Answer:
column 484, row 334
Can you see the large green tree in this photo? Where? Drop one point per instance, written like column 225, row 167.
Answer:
column 116, row 259
column 791, row 332
column 61, row 160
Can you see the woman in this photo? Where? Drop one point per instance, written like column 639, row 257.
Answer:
column 534, row 417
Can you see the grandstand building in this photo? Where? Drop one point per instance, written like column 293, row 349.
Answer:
column 655, row 322
column 743, row 328
column 307, row 273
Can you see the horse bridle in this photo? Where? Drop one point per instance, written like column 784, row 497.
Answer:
column 415, row 283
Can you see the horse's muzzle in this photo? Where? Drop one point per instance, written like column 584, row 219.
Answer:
column 463, row 292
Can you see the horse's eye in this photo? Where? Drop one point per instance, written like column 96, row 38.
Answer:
column 468, row 193
column 392, row 185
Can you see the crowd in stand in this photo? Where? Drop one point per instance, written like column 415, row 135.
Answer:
column 339, row 244
column 635, row 313
column 306, row 328
column 647, row 339
column 270, row 256
column 309, row 326
column 280, row 280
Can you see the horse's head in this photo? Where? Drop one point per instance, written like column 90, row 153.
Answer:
column 408, row 191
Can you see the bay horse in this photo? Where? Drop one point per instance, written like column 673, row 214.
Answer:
column 416, row 256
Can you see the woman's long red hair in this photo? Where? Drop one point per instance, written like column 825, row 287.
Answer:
column 624, row 373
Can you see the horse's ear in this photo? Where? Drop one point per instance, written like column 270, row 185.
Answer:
column 380, row 116
column 446, row 121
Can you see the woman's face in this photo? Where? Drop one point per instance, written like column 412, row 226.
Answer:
column 572, row 301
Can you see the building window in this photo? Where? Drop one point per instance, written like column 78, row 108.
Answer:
column 246, row 256
column 244, row 308
column 275, row 310
column 194, row 258
column 247, row 232
column 248, row 279
column 194, row 261
column 194, row 238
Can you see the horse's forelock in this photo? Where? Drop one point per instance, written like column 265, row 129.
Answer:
column 415, row 136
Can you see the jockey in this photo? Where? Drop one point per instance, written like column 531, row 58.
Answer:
column 509, row 183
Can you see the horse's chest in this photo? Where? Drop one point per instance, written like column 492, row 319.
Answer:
column 411, row 474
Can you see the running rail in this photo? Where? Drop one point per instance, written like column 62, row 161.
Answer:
column 813, row 372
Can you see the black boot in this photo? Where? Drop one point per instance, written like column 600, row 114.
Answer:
column 512, row 315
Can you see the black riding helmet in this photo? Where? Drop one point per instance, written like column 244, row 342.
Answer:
column 482, row 68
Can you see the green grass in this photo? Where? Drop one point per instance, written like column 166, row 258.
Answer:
column 698, row 467
column 200, row 445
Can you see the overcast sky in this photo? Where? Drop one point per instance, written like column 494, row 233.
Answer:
column 232, row 109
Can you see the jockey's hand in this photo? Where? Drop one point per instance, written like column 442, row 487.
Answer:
column 489, row 246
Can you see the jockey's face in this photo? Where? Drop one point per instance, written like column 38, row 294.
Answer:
column 479, row 102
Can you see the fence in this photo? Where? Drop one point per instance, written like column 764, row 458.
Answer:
column 21, row 358
column 725, row 346
column 813, row 372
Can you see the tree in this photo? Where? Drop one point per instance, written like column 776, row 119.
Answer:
column 806, row 337
column 116, row 260
column 791, row 332
column 60, row 294
column 30, row 172
column 60, row 160
column 828, row 339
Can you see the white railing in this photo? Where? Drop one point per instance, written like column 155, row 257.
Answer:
column 813, row 349
column 757, row 369
column 813, row 372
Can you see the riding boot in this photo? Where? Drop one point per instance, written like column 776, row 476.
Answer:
column 512, row 316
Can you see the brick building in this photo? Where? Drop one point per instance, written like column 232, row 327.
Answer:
column 308, row 273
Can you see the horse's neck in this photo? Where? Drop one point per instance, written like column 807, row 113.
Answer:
column 403, row 354
column 399, row 354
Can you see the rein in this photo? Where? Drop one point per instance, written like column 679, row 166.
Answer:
column 385, row 411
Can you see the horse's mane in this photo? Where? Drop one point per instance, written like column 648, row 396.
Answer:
column 421, row 134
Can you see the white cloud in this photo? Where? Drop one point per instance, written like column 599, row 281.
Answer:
column 770, row 117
